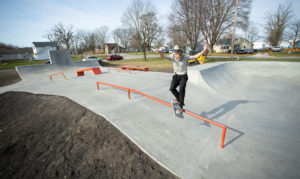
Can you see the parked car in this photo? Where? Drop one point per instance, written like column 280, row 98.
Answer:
column 275, row 49
column 114, row 57
column 250, row 51
column 238, row 51
column 165, row 50
column 241, row 51
column 234, row 51
column 171, row 51
column 91, row 58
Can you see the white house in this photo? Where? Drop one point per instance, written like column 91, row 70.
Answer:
column 223, row 45
column 41, row 50
column 7, row 54
column 284, row 44
column 297, row 45
column 260, row 45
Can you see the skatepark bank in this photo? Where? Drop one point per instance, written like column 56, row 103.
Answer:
column 257, row 101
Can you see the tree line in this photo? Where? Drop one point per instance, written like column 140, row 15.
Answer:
column 191, row 23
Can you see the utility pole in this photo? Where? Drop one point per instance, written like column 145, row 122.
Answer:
column 233, row 33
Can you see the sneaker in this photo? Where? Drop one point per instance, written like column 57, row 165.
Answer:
column 179, row 110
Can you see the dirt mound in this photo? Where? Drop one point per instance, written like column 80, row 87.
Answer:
column 44, row 136
column 8, row 77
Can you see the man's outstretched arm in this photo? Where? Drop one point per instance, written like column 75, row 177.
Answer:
column 202, row 52
column 161, row 54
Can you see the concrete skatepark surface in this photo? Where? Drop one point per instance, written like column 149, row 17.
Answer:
column 257, row 101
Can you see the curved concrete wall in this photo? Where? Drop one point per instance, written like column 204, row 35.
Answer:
column 235, row 78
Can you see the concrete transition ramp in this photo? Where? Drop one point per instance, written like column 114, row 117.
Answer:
column 60, row 61
column 246, row 78
column 257, row 101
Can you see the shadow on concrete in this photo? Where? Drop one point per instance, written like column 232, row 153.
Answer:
column 220, row 111
column 240, row 134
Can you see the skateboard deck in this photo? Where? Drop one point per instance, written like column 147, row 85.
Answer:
column 176, row 106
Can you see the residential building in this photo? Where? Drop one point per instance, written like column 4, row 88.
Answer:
column 284, row 44
column 223, row 45
column 111, row 48
column 297, row 45
column 8, row 54
column 41, row 50
column 261, row 45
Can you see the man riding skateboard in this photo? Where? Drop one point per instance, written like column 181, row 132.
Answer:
column 180, row 77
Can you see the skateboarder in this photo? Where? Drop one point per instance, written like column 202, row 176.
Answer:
column 180, row 77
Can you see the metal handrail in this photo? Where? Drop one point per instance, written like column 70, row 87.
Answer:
column 58, row 74
column 171, row 106
column 109, row 69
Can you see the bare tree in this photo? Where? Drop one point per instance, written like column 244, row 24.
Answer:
column 251, row 34
column 61, row 35
column 177, row 36
column 53, row 37
column 218, row 17
column 140, row 18
column 92, row 39
column 160, row 41
column 122, row 36
column 101, row 36
column 277, row 22
column 211, row 18
column 150, row 30
column 294, row 31
column 87, row 40
column 76, row 43
column 82, row 41
column 66, row 33
column 116, row 33
column 185, row 21
column 7, row 46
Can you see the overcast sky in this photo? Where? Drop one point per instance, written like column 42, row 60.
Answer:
column 25, row 21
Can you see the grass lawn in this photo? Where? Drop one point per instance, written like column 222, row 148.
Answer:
column 76, row 58
column 141, row 53
column 286, row 54
column 13, row 64
column 228, row 54
column 276, row 54
column 212, row 60
column 154, row 64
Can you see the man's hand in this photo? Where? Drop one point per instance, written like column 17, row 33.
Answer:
column 206, row 48
column 159, row 52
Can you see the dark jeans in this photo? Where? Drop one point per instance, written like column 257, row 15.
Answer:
column 179, row 80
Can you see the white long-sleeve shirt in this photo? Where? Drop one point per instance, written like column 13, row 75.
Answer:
column 179, row 66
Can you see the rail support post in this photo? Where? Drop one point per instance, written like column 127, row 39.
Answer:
column 223, row 137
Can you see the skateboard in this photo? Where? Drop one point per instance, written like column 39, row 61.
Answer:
column 176, row 106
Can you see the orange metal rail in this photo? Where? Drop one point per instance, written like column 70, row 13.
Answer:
column 95, row 70
column 109, row 69
column 136, row 68
column 171, row 106
column 58, row 74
